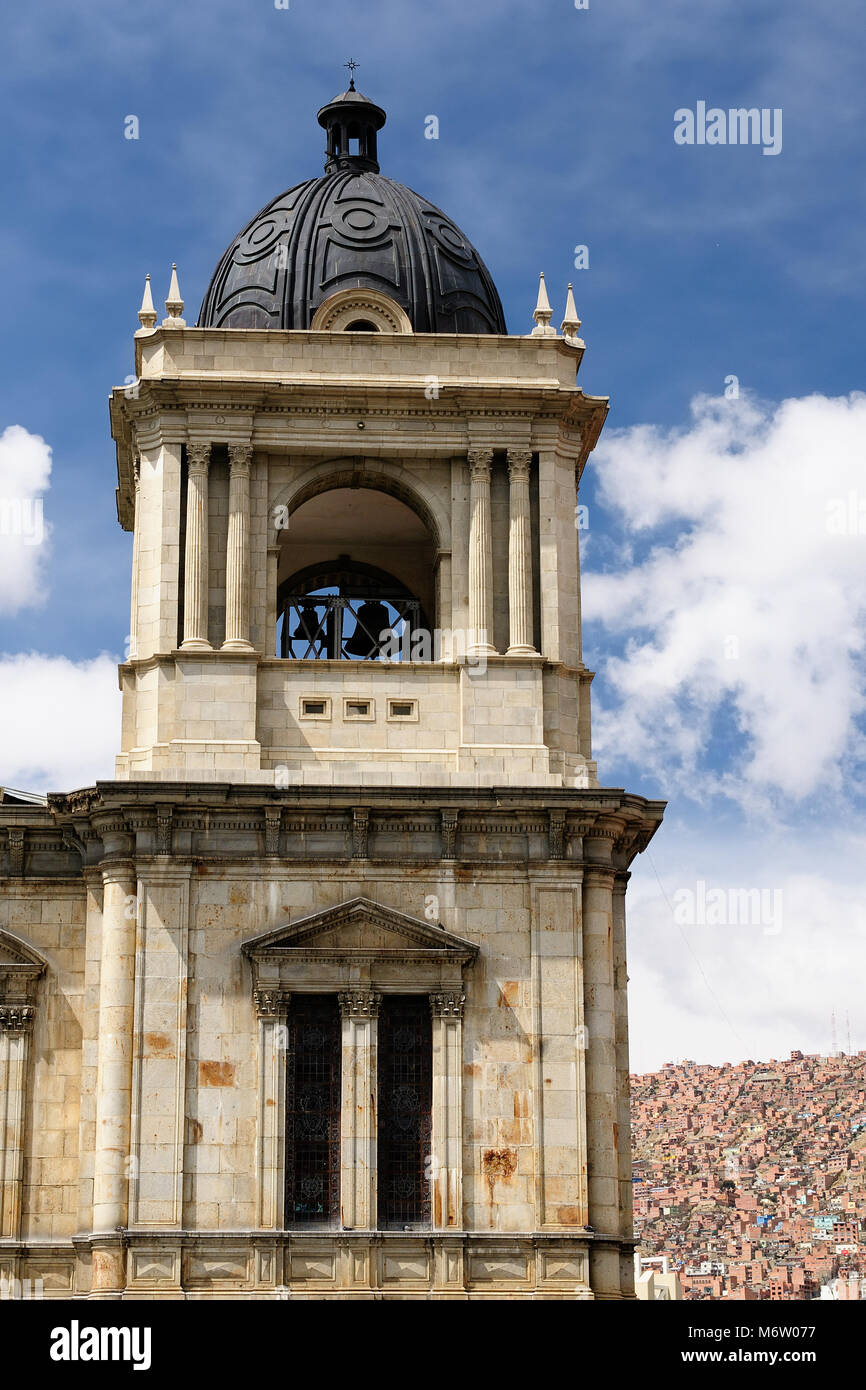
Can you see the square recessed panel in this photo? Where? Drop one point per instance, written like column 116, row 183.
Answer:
column 403, row 711
column 315, row 707
column 358, row 708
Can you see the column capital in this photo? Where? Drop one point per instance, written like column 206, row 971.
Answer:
column 17, row 1018
column 519, row 461
column 240, row 457
column 448, row 1004
column 271, row 1003
column 480, row 462
column 198, row 457
column 358, row 1003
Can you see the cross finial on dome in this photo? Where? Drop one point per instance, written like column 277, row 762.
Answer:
column 351, row 65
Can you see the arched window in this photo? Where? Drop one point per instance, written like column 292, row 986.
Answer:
column 361, row 326
column 356, row 579
column 345, row 610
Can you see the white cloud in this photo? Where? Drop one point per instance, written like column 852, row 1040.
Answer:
column 746, row 988
column 61, row 721
column 747, row 600
column 25, row 469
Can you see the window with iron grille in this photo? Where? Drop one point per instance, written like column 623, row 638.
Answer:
column 313, row 1111
column 405, row 1102
column 346, row 611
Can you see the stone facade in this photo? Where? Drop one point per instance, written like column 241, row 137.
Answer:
column 365, row 831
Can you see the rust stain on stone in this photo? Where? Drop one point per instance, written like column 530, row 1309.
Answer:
column 616, row 1137
column 509, row 993
column 498, row 1165
column 216, row 1073
column 568, row 1216
column 195, row 1131
column 159, row 1044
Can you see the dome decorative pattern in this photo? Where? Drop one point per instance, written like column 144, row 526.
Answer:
column 353, row 228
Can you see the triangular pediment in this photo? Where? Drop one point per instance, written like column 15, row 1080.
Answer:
column 364, row 927
column 16, row 956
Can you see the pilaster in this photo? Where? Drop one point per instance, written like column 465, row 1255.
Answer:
column 196, row 569
column 359, row 1010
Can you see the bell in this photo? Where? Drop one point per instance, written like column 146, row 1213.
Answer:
column 308, row 624
column 370, row 621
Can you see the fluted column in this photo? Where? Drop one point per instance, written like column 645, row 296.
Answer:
column 16, row 1025
column 112, row 1165
column 519, row 554
column 602, row 1137
column 272, row 1007
column 238, row 550
column 480, row 552
column 136, row 549
column 446, row 1168
column 196, row 575
column 358, row 1169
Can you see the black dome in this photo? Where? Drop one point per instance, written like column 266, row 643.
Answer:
column 352, row 228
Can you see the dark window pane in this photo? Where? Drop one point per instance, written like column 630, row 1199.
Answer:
column 313, row 1111
column 405, row 1099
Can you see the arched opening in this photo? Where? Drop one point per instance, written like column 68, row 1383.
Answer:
column 355, row 578
column 361, row 326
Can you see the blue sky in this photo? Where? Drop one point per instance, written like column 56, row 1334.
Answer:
column 556, row 130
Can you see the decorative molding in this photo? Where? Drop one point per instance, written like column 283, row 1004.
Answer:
column 164, row 815
column 16, row 852
column 449, row 1005
column 360, row 828
column 450, row 819
column 557, row 834
column 360, row 1004
column 336, row 313
column 273, row 820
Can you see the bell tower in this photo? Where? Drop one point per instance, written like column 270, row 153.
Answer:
column 380, row 921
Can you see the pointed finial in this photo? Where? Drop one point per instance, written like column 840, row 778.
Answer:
column 570, row 323
column 351, row 65
column 174, row 303
column 543, row 313
column 147, row 313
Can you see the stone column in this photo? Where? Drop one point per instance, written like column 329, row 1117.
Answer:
column 446, row 1176
column 136, row 550
column 272, row 1006
column 602, row 1138
column 16, row 1025
column 238, row 551
column 480, row 552
column 112, row 1169
column 623, row 1087
column 358, row 1177
column 519, row 555
column 196, row 573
